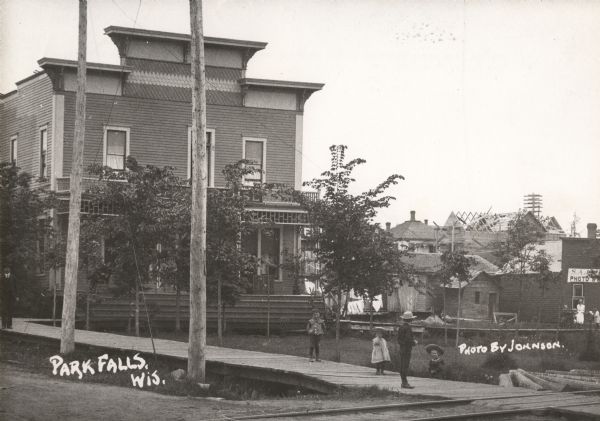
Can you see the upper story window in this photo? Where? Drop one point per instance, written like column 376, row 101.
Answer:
column 255, row 150
column 116, row 147
column 43, row 152
column 210, row 155
column 13, row 150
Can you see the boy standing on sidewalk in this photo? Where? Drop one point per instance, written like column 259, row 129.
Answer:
column 315, row 329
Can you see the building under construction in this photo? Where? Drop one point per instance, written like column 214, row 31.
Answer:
column 479, row 232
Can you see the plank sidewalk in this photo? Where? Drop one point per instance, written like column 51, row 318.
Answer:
column 327, row 372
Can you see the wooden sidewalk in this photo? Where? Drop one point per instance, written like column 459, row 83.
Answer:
column 323, row 376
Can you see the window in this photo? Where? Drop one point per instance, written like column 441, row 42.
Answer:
column 477, row 297
column 116, row 147
column 265, row 243
column 255, row 150
column 43, row 152
column 13, row 150
column 577, row 295
column 210, row 155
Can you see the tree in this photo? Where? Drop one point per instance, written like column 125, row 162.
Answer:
column 229, row 268
column 540, row 264
column 455, row 267
column 345, row 232
column 26, row 235
column 519, row 253
column 141, row 209
column 380, row 265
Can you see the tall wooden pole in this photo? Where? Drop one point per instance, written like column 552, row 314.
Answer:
column 197, row 338
column 67, row 336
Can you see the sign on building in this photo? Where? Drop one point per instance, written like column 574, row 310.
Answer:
column 583, row 275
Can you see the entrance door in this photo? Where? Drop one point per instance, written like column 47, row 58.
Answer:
column 492, row 305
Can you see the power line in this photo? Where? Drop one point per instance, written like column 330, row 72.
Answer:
column 120, row 77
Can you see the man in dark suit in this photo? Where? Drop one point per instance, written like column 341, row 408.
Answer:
column 8, row 284
column 406, row 341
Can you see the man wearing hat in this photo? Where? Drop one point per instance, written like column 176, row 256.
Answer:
column 8, row 296
column 406, row 341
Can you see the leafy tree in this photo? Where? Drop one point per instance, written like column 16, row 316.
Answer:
column 379, row 268
column 143, row 206
column 229, row 268
column 455, row 267
column 26, row 235
column 149, row 231
column 347, row 238
column 519, row 253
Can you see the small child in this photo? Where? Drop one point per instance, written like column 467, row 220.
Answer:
column 436, row 363
column 315, row 329
column 380, row 353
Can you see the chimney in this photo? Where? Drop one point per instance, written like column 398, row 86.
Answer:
column 591, row 230
column 426, row 221
column 388, row 226
column 412, row 215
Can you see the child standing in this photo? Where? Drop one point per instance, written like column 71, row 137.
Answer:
column 380, row 353
column 315, row 329
column 436, row 363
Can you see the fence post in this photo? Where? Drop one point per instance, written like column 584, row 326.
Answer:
column 268, row 278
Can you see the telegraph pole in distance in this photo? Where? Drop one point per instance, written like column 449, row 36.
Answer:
column 197, row 334
column 67, row 336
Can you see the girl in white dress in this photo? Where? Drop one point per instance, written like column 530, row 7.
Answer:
column 579, row 317
column 380, row 353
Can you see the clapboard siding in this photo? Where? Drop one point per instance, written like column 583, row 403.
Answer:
column 159, row 133
column 23, row 114
column 529, row 297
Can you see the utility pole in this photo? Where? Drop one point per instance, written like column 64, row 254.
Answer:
column 197, row 337
column 67, row 335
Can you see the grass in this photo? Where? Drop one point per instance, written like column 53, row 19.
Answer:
column 356, row 349
column 33, row 355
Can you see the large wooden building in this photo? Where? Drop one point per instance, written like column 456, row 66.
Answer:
column 142, row 108
column 576, row 269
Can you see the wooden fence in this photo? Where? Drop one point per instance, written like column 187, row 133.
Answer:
column 285, row 312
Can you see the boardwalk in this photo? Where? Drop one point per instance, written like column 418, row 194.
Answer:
column 318, row 376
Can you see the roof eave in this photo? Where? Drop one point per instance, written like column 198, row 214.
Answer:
column 282, row 84
column 101, row 67
column 173, row 36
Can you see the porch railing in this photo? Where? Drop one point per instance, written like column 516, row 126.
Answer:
column 63, row 185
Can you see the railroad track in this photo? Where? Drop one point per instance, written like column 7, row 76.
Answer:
column 540, row 404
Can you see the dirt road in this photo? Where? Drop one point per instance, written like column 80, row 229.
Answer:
column 29, row 396
column 25, row 395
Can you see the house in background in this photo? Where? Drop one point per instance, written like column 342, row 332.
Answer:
column 142, row 108
column 415, row 236
column 479, row 296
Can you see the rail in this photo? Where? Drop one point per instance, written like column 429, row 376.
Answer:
column 63, row 185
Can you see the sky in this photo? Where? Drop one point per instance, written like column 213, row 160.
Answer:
column 474, row 103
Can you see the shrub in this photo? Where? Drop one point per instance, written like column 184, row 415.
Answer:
column 499, row 361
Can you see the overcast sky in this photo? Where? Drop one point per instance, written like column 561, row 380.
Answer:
column 475, row 103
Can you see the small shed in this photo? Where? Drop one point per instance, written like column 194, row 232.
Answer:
column 479, row 296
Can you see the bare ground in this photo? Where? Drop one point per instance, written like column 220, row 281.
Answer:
column 25, row 395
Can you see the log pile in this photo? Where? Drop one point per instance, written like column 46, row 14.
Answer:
column 553, row 380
